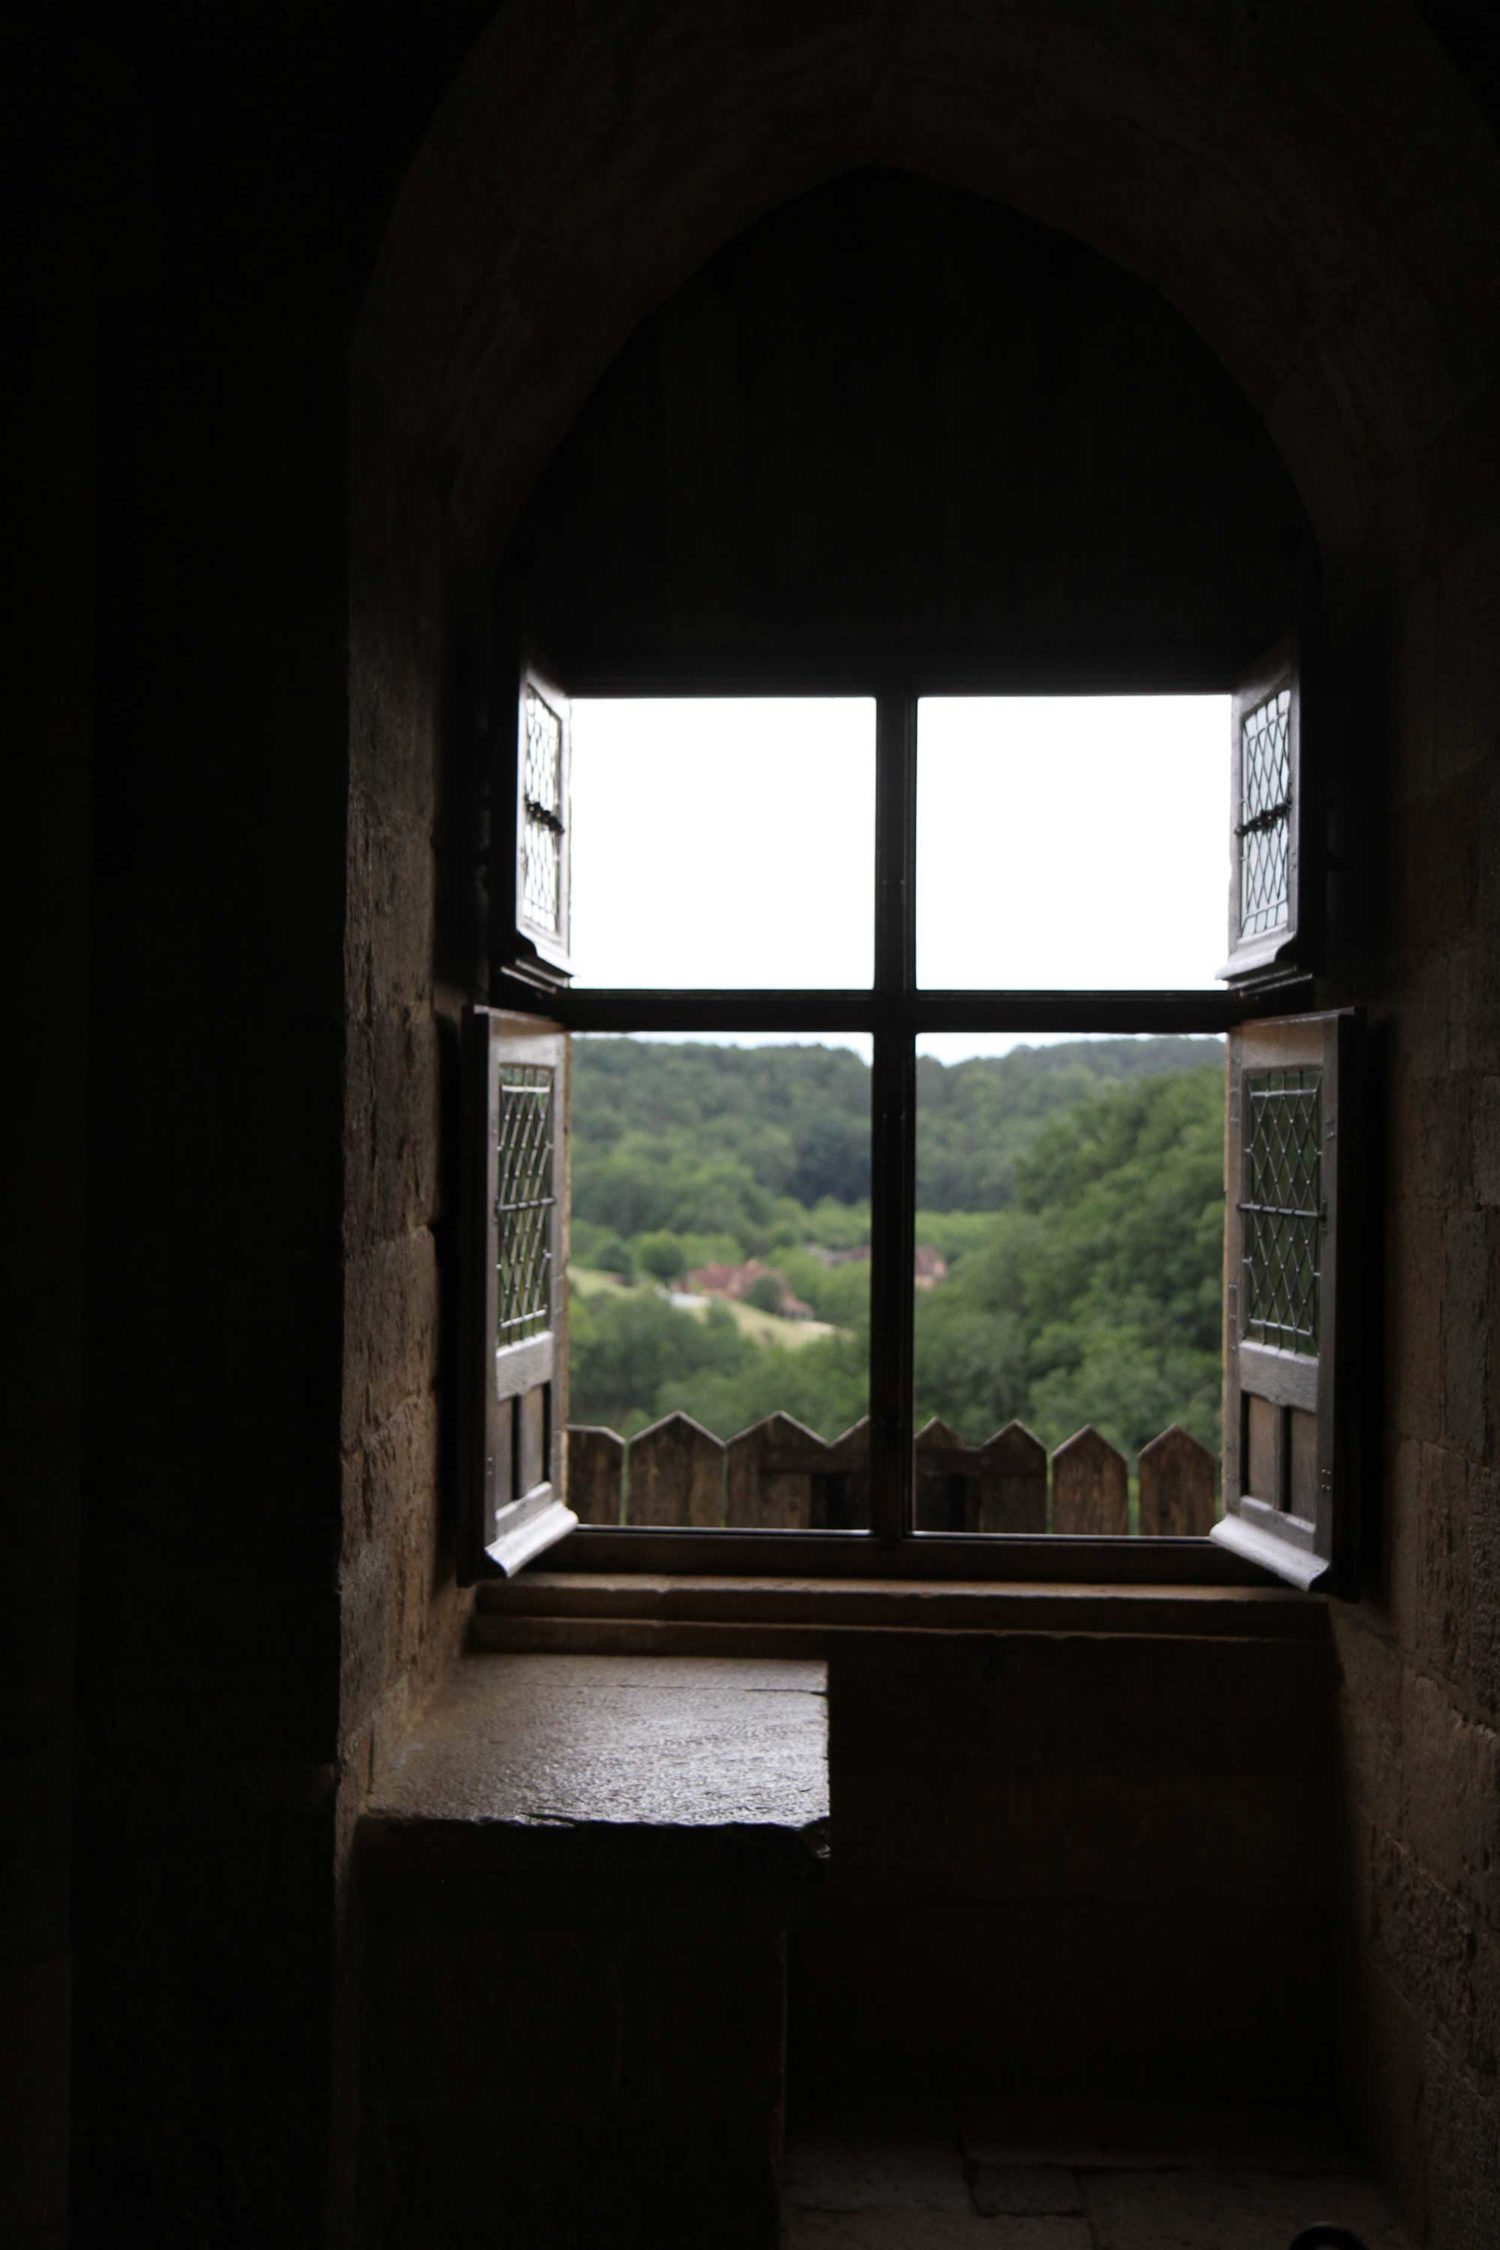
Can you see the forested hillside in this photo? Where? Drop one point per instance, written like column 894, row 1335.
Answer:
column 1074, row 1191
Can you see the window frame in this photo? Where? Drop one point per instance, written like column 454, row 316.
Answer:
column 1305, row 1536
column 894, row 1010
column 514, row 1395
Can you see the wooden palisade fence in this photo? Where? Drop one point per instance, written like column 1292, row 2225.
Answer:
column 779, row 1476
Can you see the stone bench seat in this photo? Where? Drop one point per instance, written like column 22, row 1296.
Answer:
column 575, row 1885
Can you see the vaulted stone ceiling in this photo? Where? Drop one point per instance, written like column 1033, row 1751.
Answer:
column 1314, row 190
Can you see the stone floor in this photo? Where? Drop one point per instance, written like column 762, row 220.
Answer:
column 1130, row 2182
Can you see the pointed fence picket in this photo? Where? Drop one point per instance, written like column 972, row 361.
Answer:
column 780, row 1476
column 1179, row 1486
column 596, row 1473
column 677, row 1474
column 1090, row 1487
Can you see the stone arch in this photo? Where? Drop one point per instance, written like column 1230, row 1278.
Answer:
column 1314, row 194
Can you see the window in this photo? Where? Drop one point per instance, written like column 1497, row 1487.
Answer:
column 1290, row 1169
column 882, row 1502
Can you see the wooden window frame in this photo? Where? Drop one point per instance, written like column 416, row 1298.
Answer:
column 894, row 1012
column 1296, row 1515
column 514, row 1394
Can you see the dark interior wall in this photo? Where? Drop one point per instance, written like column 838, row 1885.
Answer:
column 49, row 289
column 1420, row 1654
column 1072, row 1868
column 194, row 202
column 893, row 421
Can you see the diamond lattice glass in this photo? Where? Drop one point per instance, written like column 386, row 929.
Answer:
column 542, row 822
column 1265, row 815
column 1282, row 1204
column 524, row 1199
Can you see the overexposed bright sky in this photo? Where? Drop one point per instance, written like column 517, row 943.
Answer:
column 1063, row 842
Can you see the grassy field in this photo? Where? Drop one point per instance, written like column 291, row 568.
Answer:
column 766, row 1328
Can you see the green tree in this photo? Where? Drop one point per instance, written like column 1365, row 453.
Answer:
column 661, row 1255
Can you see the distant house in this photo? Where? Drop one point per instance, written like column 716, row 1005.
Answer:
column 736, row 1282
column 928, row 1266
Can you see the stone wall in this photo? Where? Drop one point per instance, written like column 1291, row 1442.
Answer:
column 1072, row 1867
column 1420, row 1659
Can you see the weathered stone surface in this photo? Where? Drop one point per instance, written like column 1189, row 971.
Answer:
column 1452, row 1812
column 393, row 898
column 1414, row 1297
column 1465, row 1331
column 1231, row 2210
column 1025, row 2189
column 1484, row 1565
column 1434, row 1951
column 890, row 2170
column 393, row 1116
column 936, row 2230
column 1462, row 2184
column 1437, row 1624
column 647, row 1742
column 1487, row 1140
column 390, row 1352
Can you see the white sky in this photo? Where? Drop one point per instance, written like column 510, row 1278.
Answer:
column 1062, row 842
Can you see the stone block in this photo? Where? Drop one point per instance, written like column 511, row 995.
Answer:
column 1437, row 1954
column 1029, row 2189
column 892, row 2171
column 1487, row 1140
column 1133, row 1837
column 1465, row 1330
column 1466, row 677
column 1413, row 1300
column 1231, row 2210
column 938, row 2230
column 463, row 2010
column 1430, row 1120
column 397, row 1469
column 1423, row 912
column 392, row 894
column 390, row 1329
column 1369, row 1718
column 1451, row 1771
column 1414, row 641
column 1463, row 2167
column 1383, row 2074
column 704, row 2018
column 1436, row 1626
column 391, row 1125
column 1064, row 1998
column 1484, row 1577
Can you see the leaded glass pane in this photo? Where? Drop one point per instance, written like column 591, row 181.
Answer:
column 524, row 1198
column 1282, row 1205
column 1265, row 815
column 542, row 820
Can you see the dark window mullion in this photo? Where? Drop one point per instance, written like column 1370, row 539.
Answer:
column 893, row 1145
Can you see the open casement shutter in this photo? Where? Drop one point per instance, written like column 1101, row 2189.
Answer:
column 531, row 872
column 515, row 1071
column 1269, row 827
column 1287, row 1395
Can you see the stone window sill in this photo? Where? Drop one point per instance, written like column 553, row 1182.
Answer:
column 806, row 1617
